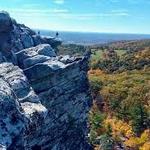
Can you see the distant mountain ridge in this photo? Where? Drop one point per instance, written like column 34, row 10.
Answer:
column 92, row 38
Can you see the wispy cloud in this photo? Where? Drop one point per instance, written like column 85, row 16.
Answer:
column 60, row 2
column 120, row 11
column 31, row 5
column 37, row 11
column 60, row 11
column 89, row 16
column 66, row 14
column 115, row 1
column 138, row 1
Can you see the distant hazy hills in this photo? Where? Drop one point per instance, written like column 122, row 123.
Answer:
column 92, row 38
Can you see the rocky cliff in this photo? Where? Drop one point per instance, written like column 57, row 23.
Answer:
column 44, row 98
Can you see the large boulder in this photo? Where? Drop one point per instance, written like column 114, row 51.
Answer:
column 34, row 55
column 54, row 42
column 18, row 82
column 5, row 22
column 46, row 50
column 27, row 40
column 34, row 60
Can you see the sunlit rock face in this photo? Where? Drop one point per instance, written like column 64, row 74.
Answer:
column 44, row 98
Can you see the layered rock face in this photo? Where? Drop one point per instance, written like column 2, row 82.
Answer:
column 44, row 98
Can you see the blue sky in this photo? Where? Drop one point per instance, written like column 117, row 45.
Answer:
column 115, row 16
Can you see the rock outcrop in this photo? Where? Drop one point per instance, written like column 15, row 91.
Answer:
column 44, row 98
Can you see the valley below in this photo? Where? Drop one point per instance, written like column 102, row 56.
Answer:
column 120, row 84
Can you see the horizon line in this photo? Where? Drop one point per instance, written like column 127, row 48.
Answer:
column 99, row 32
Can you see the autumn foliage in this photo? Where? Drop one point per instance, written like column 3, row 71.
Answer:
column 124, row 97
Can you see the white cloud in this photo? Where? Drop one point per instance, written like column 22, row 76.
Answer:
column 139, row 1
column 114, row 1
column 61, row 11
column 65, row 14
column 89, row 16
column 60, row 2
column 31, row 12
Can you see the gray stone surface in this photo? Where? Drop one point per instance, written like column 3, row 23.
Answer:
column 11, row 119
column 19, row 106
column 5, row 22
column 1, row 58
column 18, row 82
column 44, row 98
column 45, row 49
column 34, row 55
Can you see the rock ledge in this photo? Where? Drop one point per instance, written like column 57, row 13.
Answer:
column 44, row 98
